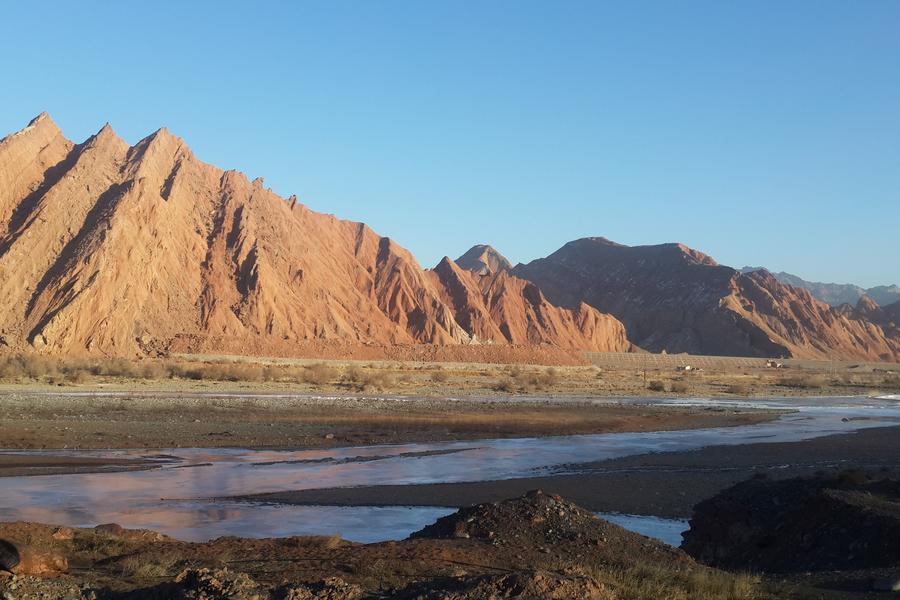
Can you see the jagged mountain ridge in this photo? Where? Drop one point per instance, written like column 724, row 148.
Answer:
column 122, row 250
column 836, row 294
column 673, row 298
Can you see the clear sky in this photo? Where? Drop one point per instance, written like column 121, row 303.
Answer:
column 763, row 133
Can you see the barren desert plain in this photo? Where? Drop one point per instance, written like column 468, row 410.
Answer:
column 230, row 477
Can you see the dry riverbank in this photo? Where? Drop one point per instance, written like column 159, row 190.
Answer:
column 37, row 420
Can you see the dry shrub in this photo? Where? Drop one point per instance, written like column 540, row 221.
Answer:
column 319, row 374
column 117, row 367
column 232, row 372
column 507, row 384
column 680, row 387
column 77, row 376
column 550, row 377
column 656, row 386
column 36, row 367
column 740, row 389
column 805, row 381
column 352, row 374
column 378, row 380
column 650, row 582
column 154, row 370
column 439, row 376
column 11, row 368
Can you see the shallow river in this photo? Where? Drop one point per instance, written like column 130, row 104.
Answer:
column 173, row 498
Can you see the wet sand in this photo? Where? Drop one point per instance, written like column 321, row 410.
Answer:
column 13, row 465
column 660, row 484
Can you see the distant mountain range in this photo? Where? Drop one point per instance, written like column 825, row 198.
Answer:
column 120, row 250
column 836, row 294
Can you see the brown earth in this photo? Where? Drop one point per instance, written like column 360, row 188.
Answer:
column 133, row 419
column 675, row 299
column 117, row 250
column 536, row 546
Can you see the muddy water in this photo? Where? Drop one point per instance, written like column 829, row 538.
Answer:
column 172, row 498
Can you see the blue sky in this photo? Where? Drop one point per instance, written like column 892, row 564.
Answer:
column 764, row 133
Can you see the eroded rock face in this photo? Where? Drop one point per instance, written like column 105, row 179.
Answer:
column 128, row 250
column 501, row 308
column 673, row 298
column 797, row 525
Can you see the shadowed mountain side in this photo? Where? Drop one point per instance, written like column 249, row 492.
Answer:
column 671, row 297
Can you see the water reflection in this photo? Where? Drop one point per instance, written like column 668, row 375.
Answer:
column 170, row 499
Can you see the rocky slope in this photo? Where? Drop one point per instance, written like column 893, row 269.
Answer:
column 825, row 523
column 499, row 307
column 836, row 294
column 673, row 298
column 122, row 250
column 483, row 260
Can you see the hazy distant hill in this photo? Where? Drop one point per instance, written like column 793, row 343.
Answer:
column 836, row 294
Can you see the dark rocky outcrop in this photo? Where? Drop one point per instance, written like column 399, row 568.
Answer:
column 805, row 524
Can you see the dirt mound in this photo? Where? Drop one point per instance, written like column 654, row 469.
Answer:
column 797, row 525
column 673, row 298
column 547, row 524
column 127, row 250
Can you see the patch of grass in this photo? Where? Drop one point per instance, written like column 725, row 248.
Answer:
column 144, row 566
column 648, row 582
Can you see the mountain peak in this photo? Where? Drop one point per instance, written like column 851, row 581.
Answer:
column 43, row 125
column 484, row 260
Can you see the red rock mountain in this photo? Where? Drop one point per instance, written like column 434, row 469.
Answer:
column 484, row 260
column 502, row 308
column 123, row 250
column 673, row 298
